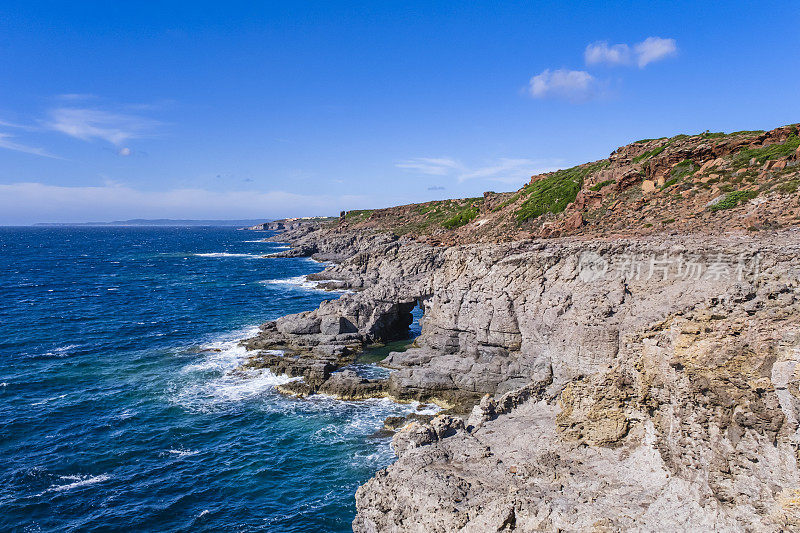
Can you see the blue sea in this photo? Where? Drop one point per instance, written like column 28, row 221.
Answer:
column 119, row 409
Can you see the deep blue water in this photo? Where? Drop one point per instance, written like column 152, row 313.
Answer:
column 118, row 407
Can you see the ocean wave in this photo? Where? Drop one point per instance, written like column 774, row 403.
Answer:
column 48, row 400
column 228, row 389
column 183, row 453
column 226, row 254
column 299, row 281
column 362, row 417
column 222, row 354
column 77, row 482
column 380, row 457
column 217, row 380
column 304, row 283
column 57, row 353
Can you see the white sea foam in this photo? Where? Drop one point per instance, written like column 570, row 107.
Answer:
column 183, row 453
column 61, row 351
column 303, row 282
column 217, row 380
column 125, row 414
column 228, row 389
column 226, row 254
column 4, row 384
column 223, row 354
column 48, row 400
column 299, row 281
column 363, row 416
column 78, row 481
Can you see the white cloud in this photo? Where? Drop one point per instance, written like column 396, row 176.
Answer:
column 641, row 54
column 654, row 49
column 572, row 85
column 601, row 52
column 27, row 203
column 507, row 170
column 88, row 124
column 433, row 166
column 125, row 151
column 7, row 143
column 76, row 96
column 503, row 170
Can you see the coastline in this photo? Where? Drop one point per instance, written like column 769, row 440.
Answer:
column 597, row 370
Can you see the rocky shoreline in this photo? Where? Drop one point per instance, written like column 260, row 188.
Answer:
column 642, row 383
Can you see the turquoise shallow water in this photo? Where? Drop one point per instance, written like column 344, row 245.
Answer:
column 118, row 409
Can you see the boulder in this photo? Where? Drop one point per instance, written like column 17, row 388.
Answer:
column 574, row 221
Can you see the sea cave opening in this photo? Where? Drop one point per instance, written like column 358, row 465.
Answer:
column 408, row 326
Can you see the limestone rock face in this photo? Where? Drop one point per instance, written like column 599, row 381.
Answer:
column 646, row 384
column 654, row 403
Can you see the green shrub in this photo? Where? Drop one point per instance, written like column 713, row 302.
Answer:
column 358, row 215
column 767, row 153
column 647, row 155
column 596, row 187
column 747, row 132
column 555, row 192
column 682, row 169
column 461, row 218
column 789, row 187
column 732, row 199
column 669, row 183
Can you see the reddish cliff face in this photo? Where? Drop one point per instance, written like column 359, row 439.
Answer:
column 712, row 182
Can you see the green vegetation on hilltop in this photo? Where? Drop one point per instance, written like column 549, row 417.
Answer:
column 766, row 153
column 647, row 155
column 449, row 214
column 555, row 192
column 462, row 217
column 359, row 215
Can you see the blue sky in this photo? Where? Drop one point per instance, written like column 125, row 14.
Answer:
column 236, row 110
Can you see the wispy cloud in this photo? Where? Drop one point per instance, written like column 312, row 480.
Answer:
column 88, row 124
column 654, row 49
column 503, row 170
column 432, row 166
column 641, row 54
column 25, row 203
column 9, row 144
column 75, row 96
column 571, row 85
column 601, row 53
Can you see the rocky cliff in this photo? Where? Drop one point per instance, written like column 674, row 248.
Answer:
column 606, row 380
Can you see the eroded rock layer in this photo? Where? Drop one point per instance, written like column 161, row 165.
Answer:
column 646, row 383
